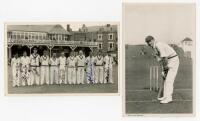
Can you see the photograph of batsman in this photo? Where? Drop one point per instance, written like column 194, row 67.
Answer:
column 62, row 58
column 159, row 40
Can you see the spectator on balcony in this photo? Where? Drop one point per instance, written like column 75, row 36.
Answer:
column 35, row 71
column 80, row 67
column 108, row 62
column 54, row 69
column 90, row 68
column 44, row 60
column 99, row 68
column 71, row 62
column 62, row 70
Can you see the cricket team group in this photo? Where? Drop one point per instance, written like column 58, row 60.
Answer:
column 75, row 69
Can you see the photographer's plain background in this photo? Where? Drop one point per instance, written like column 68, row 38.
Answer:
column 65, row 108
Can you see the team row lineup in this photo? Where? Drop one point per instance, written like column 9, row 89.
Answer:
column 39, row 70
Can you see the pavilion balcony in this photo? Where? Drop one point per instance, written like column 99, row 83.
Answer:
column 52, row 42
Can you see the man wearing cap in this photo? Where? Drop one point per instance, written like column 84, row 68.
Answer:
column 71, row 65
column 80, row 67
column 44, row 60
column 99, row 61
column 108, row 63
column 35, row 70
column 170, row 61
column 54, row 69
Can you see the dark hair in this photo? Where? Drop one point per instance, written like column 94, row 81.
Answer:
column 149, row 38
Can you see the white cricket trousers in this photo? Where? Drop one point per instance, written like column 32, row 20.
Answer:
column 44, row 74
column 16, row 76
column 99, row 74
column 110, row 75
column 71, row 75
column 80, row 75
column 62, row 74
column 66, row 75
column 35, row 75
column 54, row 74
column 173, row 65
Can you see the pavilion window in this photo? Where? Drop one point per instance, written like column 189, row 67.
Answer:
column 26, row 35
column 40, row 36
column 100, row 36
column 32, row 36
column 100, row 45
column 18, row 36
column 36, row 36
column 111, row 45
column 54, row 37
column 65, row 37
column 58, row 37
column 29, row 36
column 50, row 37
column 110, row 36
column 22, row 35
column 44, row 36
column 13, row 36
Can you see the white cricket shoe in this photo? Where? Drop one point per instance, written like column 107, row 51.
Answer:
column 165, row 101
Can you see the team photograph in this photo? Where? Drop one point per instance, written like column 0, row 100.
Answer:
column 62, row 58
column 159, row 58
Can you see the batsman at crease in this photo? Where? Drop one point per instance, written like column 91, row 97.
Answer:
column 169, row 63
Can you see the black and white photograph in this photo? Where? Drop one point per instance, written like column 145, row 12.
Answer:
column 159, row 41
column 62, row 58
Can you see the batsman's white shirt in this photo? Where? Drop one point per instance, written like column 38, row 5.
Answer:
column 54, row 61
column 34, row 59
column 62, row 62
column 165, row 50
column 25, row 61
column 80, row 60
column 44, row 60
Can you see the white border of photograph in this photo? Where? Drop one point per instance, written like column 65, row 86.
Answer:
column 123, row 56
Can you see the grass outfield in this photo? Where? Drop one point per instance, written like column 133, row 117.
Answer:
column 140, row 100
column 85, row 88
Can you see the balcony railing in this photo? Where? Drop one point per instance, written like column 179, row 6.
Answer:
column 51, row 42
